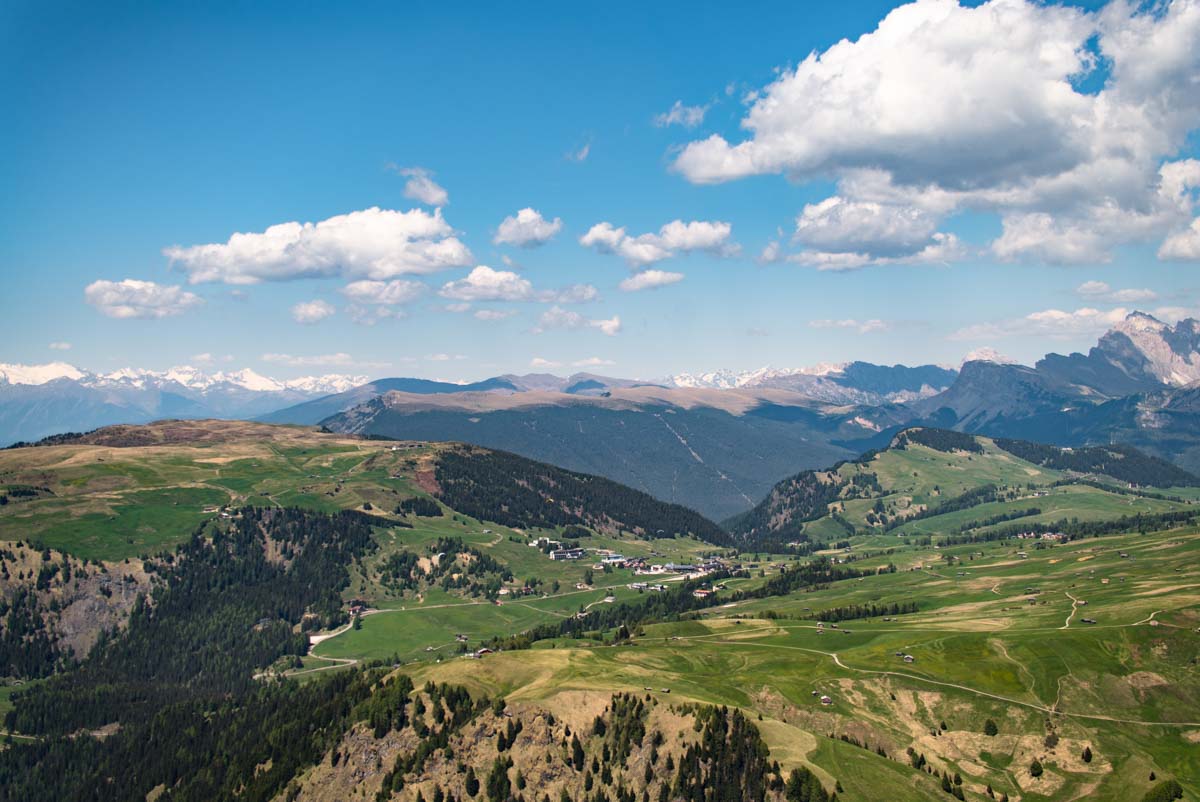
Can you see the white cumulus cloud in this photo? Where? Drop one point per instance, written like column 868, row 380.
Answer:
column 373, row 243
column 1054, row 323
column 672, row 239
column 421, row 187
column 390, row 293
column 131, row 298
column 485, row 284
column 1182, row 246
column 947, row 107
column 309, row 312
column 526, row 229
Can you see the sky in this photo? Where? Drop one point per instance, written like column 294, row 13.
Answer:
column 458, row 191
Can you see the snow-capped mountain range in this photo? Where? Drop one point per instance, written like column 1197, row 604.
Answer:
column 184, row 376
column 831, row 382
column 40, row 400
column 764, row 376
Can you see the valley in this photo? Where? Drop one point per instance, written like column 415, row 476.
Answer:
column 868, row 620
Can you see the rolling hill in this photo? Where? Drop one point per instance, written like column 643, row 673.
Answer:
column 933, row 481
column 335, row 617
column 714, row 450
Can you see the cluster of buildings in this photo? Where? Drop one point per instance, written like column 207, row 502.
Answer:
column 656, row 588
column 639, row 565
column 690, row 569
column 1042, row 536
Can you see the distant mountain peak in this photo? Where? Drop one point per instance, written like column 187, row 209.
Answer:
column 725, row 379
column 1140, row 322
column 186, row 376
column 38, row 374
column 1143, row 344
column 988, row 355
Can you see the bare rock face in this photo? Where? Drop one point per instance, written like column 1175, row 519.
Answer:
column 76, row 600
column 1139, row 354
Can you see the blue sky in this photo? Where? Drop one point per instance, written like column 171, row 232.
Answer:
column 135, row 127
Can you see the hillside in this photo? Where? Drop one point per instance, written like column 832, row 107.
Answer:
column 717, row 451
column 379, row 620
column 951, row 483
column 134, row 489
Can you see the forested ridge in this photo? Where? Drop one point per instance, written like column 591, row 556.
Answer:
column 1124, row 463
column 514, row 491
column 945, row 440
column 793, row 502
column 181, row 675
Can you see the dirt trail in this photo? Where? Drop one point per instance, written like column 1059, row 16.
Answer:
column 917, row 678
column 1074, row 607
column 335, row 662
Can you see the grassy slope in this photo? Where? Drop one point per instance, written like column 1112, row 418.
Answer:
column 976, row 630
column 110, row 503
column 919, row 477
column 975, row 627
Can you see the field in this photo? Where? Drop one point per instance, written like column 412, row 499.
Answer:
column 108, row 503
column 1091, row 642
column 921, row 491
column 1124, row 686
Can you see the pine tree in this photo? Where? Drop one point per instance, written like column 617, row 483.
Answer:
column 472, row 782
column 577, row 756
column 1087, row 754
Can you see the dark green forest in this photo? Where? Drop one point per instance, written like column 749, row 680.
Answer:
column 513, row 491
column 1124, row 463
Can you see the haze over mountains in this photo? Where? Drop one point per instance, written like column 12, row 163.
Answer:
column 714, row 441
column 41, row 400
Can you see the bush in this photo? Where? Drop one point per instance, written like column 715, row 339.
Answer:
column 1035, row 768
column 1165, row 791
column 990, row 728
